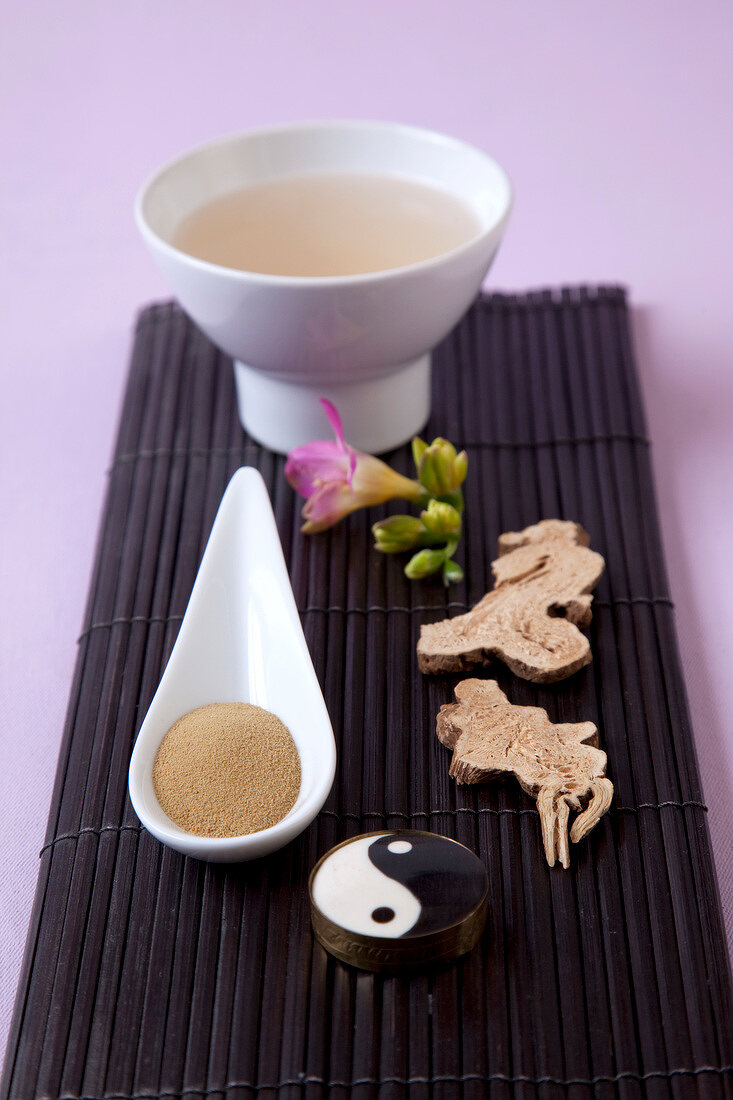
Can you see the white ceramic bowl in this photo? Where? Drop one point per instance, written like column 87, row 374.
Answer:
column 363, row 341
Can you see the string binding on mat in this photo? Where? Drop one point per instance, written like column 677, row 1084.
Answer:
column 185, row 452
column 500, row 812
column 556, row 441
column 441, row 1078
column 373, row 609
column 506, row 811
column 250, row 446
column 456, row 605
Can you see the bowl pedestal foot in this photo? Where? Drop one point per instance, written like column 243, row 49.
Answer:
column 378, row 413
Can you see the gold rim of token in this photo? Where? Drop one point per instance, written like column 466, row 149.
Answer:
column 381, row 953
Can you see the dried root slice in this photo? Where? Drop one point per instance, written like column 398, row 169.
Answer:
column 530, row 620
column 559, row 764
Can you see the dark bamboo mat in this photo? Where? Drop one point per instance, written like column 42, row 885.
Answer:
column 150, row 975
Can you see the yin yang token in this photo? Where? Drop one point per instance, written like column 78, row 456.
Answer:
column 387, row 900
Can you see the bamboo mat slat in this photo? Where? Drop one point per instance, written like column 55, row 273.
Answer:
column 148, row 975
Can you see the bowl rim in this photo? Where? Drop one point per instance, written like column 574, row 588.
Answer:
column 241, row 275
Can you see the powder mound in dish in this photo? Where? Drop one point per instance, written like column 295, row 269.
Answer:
column 227, row 769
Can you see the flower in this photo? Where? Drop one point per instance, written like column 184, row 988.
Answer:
column 336, row 479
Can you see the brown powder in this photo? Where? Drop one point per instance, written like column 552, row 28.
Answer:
column 227, row 769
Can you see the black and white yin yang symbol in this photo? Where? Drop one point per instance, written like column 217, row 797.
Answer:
column 399, row 884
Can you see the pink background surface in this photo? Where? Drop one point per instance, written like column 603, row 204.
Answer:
column 610, row 118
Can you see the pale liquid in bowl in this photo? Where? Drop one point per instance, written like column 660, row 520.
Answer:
column 329, row 224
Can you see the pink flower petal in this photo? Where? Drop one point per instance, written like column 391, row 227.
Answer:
column 314, row 463
column 335, row 421
column 327, row 506
column 352, row 466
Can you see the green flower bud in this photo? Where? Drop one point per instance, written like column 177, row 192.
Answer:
column 428, row 475
column 440, row 469
column 397, row 533
column 441, row 519
column 452, row 572
column 424, row 563
column 419, row 447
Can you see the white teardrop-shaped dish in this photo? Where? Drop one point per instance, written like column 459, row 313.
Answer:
column 240, row 641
